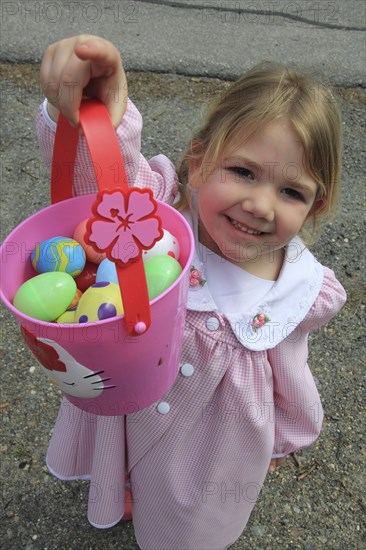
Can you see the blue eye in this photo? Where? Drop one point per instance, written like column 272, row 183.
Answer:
column 293, row 193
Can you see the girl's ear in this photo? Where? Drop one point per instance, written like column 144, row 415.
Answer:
column 194, row 173
column 195, row 162
column 317, row 207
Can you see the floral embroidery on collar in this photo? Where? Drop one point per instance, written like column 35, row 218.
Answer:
column 195, row 278
column 259, row 320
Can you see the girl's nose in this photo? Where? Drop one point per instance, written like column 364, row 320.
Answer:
column 260, row 204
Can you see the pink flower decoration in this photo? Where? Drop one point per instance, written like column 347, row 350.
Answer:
column 259, row 320
column 195, row 278
column 193, row 282
column 195, row 274
column 124, row 223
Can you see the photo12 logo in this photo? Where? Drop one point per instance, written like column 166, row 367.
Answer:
column 70, row 12
column 322, row 13
column 226, row 492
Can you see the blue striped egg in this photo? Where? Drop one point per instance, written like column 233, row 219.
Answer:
column 59, row 254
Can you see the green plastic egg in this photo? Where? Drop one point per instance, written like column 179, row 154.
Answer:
column 161, row 272
column 46, row 296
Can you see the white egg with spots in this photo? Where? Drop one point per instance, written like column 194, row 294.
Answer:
column 168, row 245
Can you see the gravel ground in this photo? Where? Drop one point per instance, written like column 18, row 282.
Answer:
column 316, row 500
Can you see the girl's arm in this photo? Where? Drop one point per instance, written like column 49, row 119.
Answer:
column 90, row 66
column 298, row 413
column 158, row 173
column 298, row 410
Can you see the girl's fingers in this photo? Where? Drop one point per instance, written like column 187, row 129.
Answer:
column 103, row 55
column 58, row 78
column 73, row 79
column 108, row 80
column 46, row 70
column 116, row 101
column 84, row 65
column 112, row 92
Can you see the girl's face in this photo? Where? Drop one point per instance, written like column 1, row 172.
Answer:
column 256, row 200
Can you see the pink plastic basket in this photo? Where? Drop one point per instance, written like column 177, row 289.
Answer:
column 106, row 367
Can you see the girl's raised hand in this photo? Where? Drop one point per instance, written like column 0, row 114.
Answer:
column 83, row 66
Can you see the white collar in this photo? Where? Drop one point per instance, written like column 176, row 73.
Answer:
column 286, row 304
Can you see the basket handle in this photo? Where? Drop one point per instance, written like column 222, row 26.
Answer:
column 112, row 181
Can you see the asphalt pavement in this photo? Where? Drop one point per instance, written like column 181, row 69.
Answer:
column 179, row 54
column 215, row 39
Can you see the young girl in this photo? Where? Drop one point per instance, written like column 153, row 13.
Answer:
column 265, row 164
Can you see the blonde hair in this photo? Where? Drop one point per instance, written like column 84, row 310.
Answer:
column 265, row 93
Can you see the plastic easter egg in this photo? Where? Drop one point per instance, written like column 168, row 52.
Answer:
column 87, row 277
column 101, row 301
column 67, row 317
column 161, row 272
column 168, row 244
column 107, row 272
column 59, row 254
column 46, row 296
column 76, row 299
column 91, row 254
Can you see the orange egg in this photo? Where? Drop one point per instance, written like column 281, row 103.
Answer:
column 91, row 254
column 74, row 303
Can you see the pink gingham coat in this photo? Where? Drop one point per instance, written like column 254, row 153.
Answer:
column 198, row 458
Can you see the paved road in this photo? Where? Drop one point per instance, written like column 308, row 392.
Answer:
column 315, row 504
column 218, row 39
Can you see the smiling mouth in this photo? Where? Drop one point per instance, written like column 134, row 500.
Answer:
column 244, row 228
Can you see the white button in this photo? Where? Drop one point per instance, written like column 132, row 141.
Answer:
column 163, row 407
column 187, row 369
column 212, row 323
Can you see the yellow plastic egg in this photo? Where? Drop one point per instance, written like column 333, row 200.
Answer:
column 100, row 301
column 67, row 317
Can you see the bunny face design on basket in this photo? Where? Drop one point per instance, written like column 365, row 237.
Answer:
column 64, row 370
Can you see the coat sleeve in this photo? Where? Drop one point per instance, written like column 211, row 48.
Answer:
column 158, row 173
column 298, row 412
